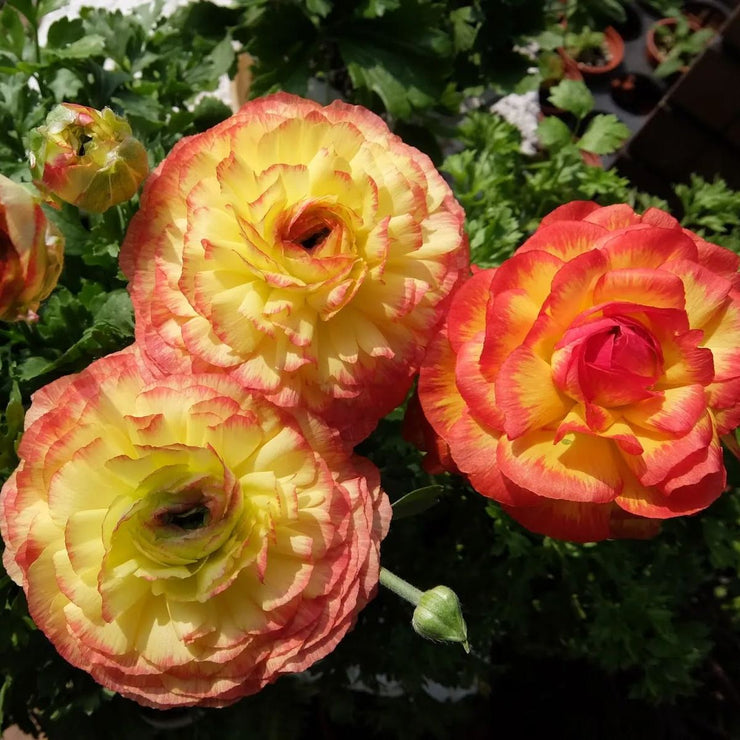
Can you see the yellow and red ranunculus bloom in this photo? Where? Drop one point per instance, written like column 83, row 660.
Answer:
column 87, row 157
column 304, row 249
column 31, row 253
column 182, row 540
column 585, row 383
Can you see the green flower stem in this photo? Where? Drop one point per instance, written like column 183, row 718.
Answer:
column 399, row 587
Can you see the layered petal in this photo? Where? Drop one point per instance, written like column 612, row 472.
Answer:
column 590, row 398
column 304, row 250
column 31, row 253
column 183, row 541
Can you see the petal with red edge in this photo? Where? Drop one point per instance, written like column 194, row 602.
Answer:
column 674, row 411
column 576, row 210
column 565, row 520
column 705, row 292
column 473, row 448
column 518, row 291
column 722, row 337
column 476, row 385
column 618, row 216
column 564, row 239
column 527, row 395
column 467, row 312
column 578, row 468
column 724, row 403
column 417, row 430
column 646, row 246
column 666, row 457
column 656, row 217
column 442, row 403
column 707, row 483
column 684, row 362
column 717, row 259
column 642, row 286
column 570, row 296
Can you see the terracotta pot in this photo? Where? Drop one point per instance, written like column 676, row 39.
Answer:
column 615, row 51
column 655, row 54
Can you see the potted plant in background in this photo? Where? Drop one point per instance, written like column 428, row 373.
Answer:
column 705, row 14
column 594, row 52
column 672, row 44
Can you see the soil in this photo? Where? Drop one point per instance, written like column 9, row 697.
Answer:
column 595, row 57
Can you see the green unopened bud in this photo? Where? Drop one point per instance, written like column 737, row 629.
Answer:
column 87, row 157
column 438, row 617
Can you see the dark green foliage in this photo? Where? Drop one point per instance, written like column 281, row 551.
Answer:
column 505, row 193
column 404, row 57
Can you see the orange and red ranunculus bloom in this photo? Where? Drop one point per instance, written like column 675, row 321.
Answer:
column 182, row 540
column 87, row 157
column 304, row 249
column 31, row 253
column 585, row 382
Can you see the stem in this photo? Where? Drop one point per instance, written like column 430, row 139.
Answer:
column 36, row 45
column 399, row 587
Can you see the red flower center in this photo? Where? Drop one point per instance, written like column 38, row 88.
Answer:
column 613, row 362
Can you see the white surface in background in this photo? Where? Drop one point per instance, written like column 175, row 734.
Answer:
column 71, row 10
column 523, row 112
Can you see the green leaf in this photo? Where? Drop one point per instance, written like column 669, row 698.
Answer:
column 550, row 40
column 12, row 33
column 554, row 133
column 222, row 57
column 27, row 8
column 401, row 85
column 709, row 205
column 116, row 312
column 65, row 85
column 11, row 428
column 3, row 691
column 572, row 96
column 209, row 112
column 14, row 413
column 416, row 501
column 377, row 8
column 321, row 8
column 464, row 28
column 604, row 135
column 49, row 6
column 64, row 32
column 89, row 46
column 32, row 368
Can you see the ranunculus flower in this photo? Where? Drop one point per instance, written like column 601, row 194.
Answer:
column 182, row 540
column 87, row 157
column 31, row 253
column 585, row 382
column 304, row 249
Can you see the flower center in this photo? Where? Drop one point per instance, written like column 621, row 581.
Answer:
column 619, row 364
column 84, row 139
column 184, row 516
column 315, row 238
column 612, row 361
column 311, row 229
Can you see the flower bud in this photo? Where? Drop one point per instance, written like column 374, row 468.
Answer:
column 87, row 157
column 31, row 253
column 438, row 617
